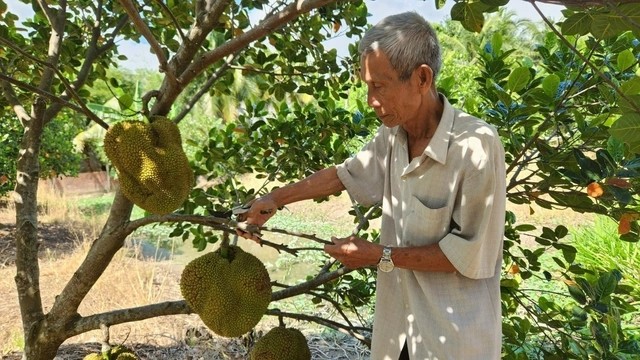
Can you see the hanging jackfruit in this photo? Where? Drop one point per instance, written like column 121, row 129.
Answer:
column 281, row 343
column 229, row 289
column 153, row 170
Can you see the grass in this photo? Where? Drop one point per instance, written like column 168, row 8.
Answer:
column 599, row 248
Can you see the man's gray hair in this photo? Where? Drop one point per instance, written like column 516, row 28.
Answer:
column 407, row 40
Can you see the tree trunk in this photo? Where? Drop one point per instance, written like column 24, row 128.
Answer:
column 27, row 266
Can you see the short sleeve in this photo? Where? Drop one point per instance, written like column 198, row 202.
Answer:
column 363, row 175
column 474, row 245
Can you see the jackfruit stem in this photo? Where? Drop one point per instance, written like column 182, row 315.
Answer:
column 225, row 249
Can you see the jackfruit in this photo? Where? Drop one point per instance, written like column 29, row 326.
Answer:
column 93, row 356
column 118, row 352
column 281, row 343
column 153, row 170
column 229, row 289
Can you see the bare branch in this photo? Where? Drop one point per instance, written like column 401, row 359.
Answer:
column 311, row 237
column 42, row 93
column 311, row 284
column 17, row 107
column 121, row 316
column 142, row 27
column 69, row 88
column 350, row 330
column 204, row 89
column 47, row 11
column 169, row 13
column 57, row 20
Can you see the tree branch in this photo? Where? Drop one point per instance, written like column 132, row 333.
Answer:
column 311, row 284
column 42, row 93
column 265, row 27
column 57, row 20
column 12, row 99
column 176, row 24
column 204, row 89
column 142, row 27
column 68, row 87
column 121, row 316
column 583, row 58
column 349, row 330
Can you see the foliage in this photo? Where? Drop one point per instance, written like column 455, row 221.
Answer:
column 58, row 156
column 599, row 249
column 555, row 119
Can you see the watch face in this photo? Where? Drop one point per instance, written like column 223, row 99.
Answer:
column 385, row 266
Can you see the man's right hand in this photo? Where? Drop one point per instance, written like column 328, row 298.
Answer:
column 261, row 210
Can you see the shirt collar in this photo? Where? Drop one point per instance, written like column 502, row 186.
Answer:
column 439, row 145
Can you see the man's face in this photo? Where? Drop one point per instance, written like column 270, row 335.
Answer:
column 394, row 101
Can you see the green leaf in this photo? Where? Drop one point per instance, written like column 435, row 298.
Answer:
column 440, row 3
column 470, row 15
column 125, row 101
column 631, row 105
column 518, row 79
column 550, row 84
column 631, row 86
column 496, row 42
column 561, row 231
column 588, row 167
column 599, row 332
column 495, row 2
column 625, row 60
column 608, row 26
column 525, row 227
column 577, row 294
column 577, row 24
column 627, row 130
column 605, row 286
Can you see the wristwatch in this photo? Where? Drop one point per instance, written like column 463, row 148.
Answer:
column 386, row 264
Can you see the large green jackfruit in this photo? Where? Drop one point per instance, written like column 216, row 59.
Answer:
column 153, row 170
column 229, row 289
column 281, row 343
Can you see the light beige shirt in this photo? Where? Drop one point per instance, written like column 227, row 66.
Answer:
column 453, row 195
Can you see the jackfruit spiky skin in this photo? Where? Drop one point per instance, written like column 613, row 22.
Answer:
column 281, row 343
column 230, row 294
column 120, row 352
column 93, row 356
column 153, row 169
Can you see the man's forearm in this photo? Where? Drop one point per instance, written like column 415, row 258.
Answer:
column 320, row 184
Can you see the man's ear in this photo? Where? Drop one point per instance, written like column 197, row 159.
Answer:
column 425, row 76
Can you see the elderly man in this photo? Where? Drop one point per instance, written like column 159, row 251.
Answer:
column 440, row 175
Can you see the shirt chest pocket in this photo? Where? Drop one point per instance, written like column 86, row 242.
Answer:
column 425, row 225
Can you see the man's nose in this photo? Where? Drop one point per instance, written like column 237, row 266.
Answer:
column 372, row 101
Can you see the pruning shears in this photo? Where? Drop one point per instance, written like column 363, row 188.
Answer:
column 244, row 208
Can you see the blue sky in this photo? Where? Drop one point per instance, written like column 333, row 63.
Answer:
column 140, row 57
